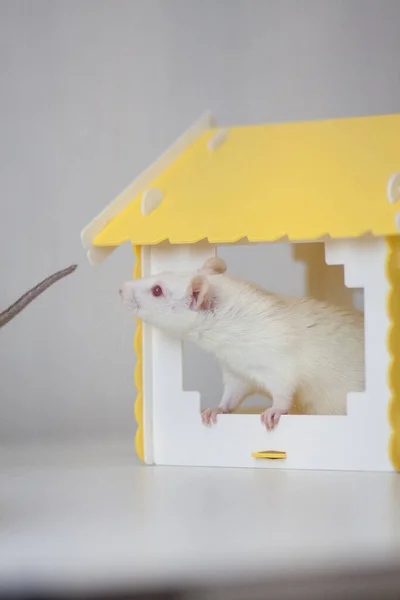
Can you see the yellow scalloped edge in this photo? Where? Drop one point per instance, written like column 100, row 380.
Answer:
column 138, row 377
column 393, row 342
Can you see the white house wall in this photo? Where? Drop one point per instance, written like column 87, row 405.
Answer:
column 174, row 434
column 163, row 397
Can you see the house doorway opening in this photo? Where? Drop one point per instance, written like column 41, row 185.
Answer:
column 286, row 269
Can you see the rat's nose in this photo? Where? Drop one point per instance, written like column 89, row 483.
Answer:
column 121, row 292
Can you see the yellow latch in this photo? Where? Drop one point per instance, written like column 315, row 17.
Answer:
column 269, row 454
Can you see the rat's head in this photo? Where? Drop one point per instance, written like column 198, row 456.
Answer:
column 172, row 301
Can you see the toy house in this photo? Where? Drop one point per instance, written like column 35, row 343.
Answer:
column 334, row 182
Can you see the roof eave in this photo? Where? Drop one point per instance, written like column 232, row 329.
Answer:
column 97, row 254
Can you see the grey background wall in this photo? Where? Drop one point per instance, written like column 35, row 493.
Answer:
column 90, row 93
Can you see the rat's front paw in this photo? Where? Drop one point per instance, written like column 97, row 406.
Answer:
column 209, row 416
column 270, row 417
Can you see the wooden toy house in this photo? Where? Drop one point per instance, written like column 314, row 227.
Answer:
column 334, row 181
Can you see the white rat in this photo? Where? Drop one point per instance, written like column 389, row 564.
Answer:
column 304, row 354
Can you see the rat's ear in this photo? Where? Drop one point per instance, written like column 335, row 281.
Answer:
column 200, row 293
column 214, row 266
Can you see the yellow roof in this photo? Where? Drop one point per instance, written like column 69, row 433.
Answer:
column 300, row 180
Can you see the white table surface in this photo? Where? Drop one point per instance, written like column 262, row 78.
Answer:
column 91, row 515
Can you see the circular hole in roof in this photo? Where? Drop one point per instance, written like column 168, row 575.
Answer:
column 393, row 188
column 151, row 199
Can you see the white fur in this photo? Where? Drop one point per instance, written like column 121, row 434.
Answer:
column 305, row 354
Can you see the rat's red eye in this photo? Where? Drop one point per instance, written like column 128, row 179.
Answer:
column 157, row 291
